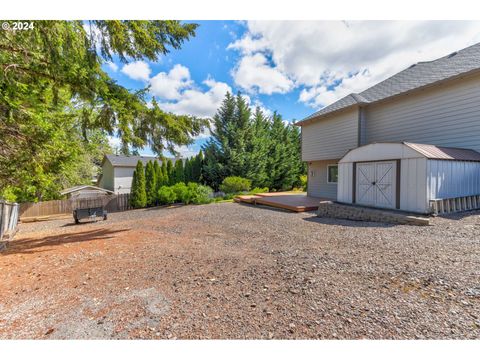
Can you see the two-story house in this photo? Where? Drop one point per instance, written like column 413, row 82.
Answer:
column 415, row 138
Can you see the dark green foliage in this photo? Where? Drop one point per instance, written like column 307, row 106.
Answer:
column 166, row 195
column 57, row 103
column 178, row 175
column 138, row 193
column 165, row 181
column 187, row 170
column 170, row 175
column 265, row 150
column 158, row 176
column 235, row 184
column 197, row 168
column 151, row 183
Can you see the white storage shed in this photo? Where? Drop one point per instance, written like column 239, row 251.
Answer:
column 412, row 177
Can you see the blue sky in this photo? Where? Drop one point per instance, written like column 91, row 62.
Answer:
column 292, row 67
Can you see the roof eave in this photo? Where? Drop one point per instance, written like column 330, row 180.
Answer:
column 334, row 112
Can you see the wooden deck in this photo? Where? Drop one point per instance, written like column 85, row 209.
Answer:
column 297, row 202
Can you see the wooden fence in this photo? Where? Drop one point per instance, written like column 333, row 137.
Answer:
column 111, row 203
column 8, row 219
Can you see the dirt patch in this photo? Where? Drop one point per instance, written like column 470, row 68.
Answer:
column 238, row 271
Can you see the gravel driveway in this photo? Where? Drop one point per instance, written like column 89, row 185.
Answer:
column 238, row 271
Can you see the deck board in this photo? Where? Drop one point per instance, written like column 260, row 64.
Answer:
column 297, row 202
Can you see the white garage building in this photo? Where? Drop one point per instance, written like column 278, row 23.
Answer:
column 411, row 177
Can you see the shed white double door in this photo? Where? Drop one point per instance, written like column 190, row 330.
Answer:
column 376, row 184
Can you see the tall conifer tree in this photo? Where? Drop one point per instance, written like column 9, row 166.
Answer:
column 138, row 194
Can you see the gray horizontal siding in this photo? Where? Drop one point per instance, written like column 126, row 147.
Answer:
column 317, row 184
column 330, row 138
column 447, row 115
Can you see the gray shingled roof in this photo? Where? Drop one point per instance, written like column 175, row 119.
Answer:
column 130, row 161
column 416, row 76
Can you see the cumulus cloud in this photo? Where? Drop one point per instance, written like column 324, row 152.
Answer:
column 253, row 73
column 195, row 101
column 328, row 59
column 169, row 85
column 137, row 70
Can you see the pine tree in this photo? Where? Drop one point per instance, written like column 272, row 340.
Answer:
column 138, row 194
column 150, row 183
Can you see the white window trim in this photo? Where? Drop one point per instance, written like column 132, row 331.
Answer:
column 328, row 172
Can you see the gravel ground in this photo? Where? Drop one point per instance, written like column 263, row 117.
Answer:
column 238, row 271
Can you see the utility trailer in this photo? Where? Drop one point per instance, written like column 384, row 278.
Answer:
column 88, row 206
column 91, row 213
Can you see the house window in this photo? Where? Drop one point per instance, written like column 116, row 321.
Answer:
column 332, row 172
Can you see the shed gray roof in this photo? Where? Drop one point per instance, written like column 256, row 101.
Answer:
column 416, row 76
column 444, row 153
column 131, row 161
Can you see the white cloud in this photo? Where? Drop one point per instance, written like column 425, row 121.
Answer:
column 194, row 101
column 253, row 73
column 248, row 44
column 112, row 66
column 316, row 56
column 169, row 85
column 186, row 152
column 114, row 141
column 137, row 70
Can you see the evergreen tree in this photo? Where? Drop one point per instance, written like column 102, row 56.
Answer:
column 159, row 179
column 170, row 175
column 138, row 194
column 258, row 148
column 150, row 183
column 216, row 151
column 187, row 170
column 197, row 164
column 178, row 172
column 266, row 151
column 56, row 98
column 165, row 181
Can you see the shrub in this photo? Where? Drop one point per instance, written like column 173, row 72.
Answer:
column 181, row 192
column 258, row 190
column 200, row 194
column 235, row 184
column 166, row 195
column 303, row 181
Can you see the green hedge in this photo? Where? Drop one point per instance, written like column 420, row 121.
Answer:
column 192, row 193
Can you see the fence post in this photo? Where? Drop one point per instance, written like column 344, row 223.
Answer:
column 2, row 207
